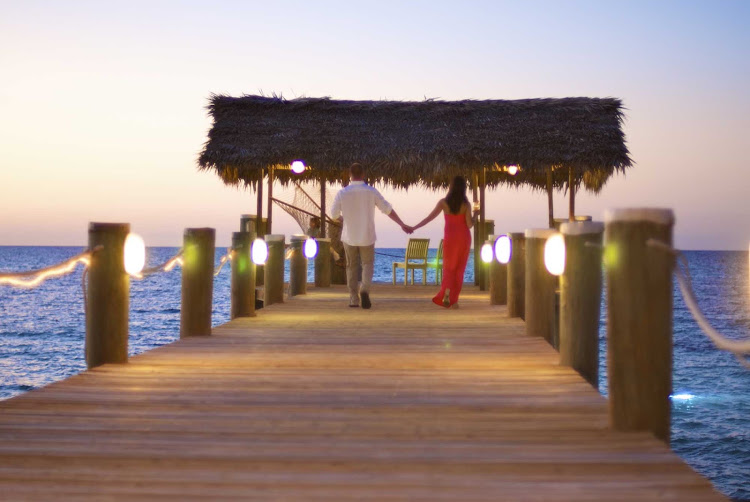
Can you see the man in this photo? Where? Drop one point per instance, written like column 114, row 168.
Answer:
column 356, row 205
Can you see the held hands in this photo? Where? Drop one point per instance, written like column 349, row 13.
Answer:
column 407, row 229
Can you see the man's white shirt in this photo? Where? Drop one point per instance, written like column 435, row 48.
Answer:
column 357, row 203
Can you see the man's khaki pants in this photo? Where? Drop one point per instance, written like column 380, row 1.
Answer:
column 354, row 256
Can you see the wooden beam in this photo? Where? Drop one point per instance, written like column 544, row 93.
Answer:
column 322, row 207
column 572, row 188
column 550, row 204
column 259, row 210
column 269, row 228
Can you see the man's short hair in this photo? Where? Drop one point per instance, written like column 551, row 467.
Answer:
column 356, row 170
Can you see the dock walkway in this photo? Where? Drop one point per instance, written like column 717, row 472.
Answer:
column 312, row 400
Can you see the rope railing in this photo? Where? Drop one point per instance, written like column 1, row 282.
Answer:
column 33, row 278
column 740, row 348
column 167, row 266
column 224, row 260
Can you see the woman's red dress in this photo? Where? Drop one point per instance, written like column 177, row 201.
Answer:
column 456, row 245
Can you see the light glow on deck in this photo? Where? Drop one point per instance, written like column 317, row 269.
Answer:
column 503, row 249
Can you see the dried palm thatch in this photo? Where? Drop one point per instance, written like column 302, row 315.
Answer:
column 415, row 143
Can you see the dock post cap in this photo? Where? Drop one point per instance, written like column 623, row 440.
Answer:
column 95, row 225
column 297, row 238
column 274, row 237
column 540, row 233
column 323, row 239
column 581, row 227
column 660, row 216
column 196, row 231
column 516, row 235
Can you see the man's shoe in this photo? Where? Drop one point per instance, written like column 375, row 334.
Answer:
column 364, row 296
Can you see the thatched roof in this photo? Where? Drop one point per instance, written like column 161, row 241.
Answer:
column 405, row 143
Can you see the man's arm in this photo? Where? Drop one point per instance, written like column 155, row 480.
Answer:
column 386, row 208
column 392, row 215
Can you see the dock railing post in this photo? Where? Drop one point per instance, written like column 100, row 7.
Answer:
column 540, row 288
column 323, row 263
column 580, row 298
column 274, row 271
column 639, row 319
column 297, row 266
column 108, row 296
column 243, row 276
column 249, row 223
column 498, row 276
column 517, row 275
column 197, row 281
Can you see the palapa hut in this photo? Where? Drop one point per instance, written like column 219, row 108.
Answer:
column 561, row 142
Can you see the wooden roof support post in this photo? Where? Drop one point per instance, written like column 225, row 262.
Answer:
column 259, row 211
column 572, row 188
column 483, row 268
column 269, row 227
column 322, row 207
column 477, row 245
column 550, row 204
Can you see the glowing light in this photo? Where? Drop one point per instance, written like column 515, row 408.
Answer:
column 135, row 254
column 259, row 251
column 554, row 254
column 311, row 247
column 512, row 170
column 682, row 397
column 44, row 274
column 298, row 167
column 486, row 253
column 503, row 249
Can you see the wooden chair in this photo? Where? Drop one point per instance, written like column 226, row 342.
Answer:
column 416, row 258
column 437, row 264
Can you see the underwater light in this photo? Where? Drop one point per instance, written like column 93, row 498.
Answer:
column 682, row 397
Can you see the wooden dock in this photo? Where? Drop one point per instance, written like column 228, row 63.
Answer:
column 312, row 400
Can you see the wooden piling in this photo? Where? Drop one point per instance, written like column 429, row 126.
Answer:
column 517, row 275
column 498, row 277
column 323, row 264
column 197, row 281
column 243, row 276
column 108, row 296
column 639, row 319
column 297, row 266
column 274, row 271
column 580, row 298
column 540, row 288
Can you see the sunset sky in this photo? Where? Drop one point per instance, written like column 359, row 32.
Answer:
column 102, row 107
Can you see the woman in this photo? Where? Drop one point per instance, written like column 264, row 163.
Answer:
column 456, row 242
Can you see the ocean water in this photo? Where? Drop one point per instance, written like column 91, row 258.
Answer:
column 42, row 332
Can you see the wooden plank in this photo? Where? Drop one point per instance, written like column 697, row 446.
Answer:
column 312, row 400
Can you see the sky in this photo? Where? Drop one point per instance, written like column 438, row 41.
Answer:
column 103, row 104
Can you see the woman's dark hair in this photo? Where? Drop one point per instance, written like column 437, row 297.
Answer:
column 456, row 194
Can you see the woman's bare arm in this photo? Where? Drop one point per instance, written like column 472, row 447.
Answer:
column 438, row 209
